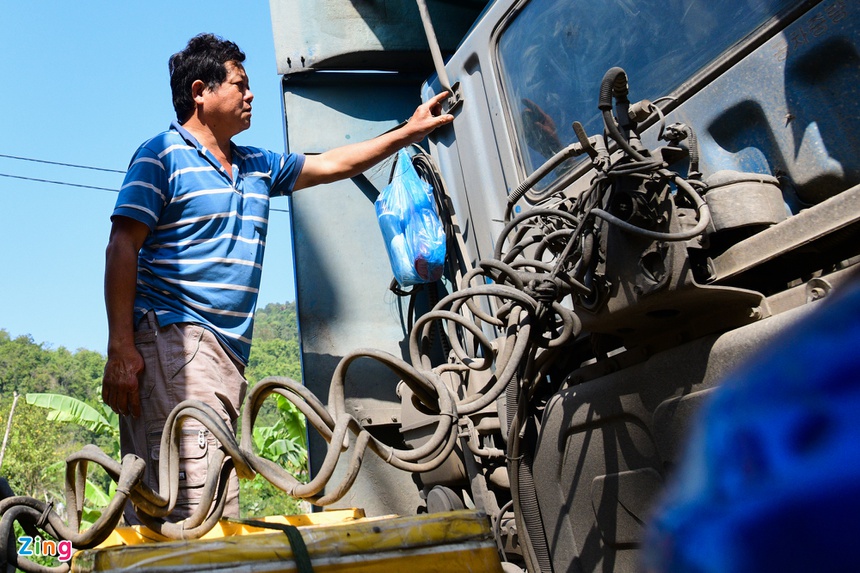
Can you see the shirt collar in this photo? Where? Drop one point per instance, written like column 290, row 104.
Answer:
column 192, row 141
column 186, row 135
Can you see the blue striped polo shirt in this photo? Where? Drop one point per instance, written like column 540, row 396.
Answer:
column 202, row 261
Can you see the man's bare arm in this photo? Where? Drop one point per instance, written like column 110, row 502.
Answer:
column 350, row 160
column 124, row 364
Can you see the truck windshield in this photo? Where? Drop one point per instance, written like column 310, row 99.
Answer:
column 554, row 54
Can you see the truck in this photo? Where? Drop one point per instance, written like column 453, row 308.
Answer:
column 639, row 200
column 681, row 176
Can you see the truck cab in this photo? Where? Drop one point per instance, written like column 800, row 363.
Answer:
column 638, row 197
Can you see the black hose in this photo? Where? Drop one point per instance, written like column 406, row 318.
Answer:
column 533, row 213
column 614, row 85
column 542, row 171
column 526, row 509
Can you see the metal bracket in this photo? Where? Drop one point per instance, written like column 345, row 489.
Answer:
column 455, row 99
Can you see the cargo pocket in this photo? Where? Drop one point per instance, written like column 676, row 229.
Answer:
column 193, row 463
column 180, row 344
column 145, row 342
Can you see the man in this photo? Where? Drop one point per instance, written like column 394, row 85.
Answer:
column 184, row 257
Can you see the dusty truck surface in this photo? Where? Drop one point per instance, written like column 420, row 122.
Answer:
column 639, row 198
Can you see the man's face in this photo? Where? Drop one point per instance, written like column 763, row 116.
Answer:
column 228, row 106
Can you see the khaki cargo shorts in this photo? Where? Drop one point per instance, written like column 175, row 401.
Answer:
column 183, row 362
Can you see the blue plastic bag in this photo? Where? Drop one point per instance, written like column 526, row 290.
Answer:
column 411, row 228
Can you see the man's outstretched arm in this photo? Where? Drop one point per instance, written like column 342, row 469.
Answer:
column 350, row 160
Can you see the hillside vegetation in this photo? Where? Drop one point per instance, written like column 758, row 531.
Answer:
column 34, row 445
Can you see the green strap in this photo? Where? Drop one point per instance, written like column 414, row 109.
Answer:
column 294, row 536
column 300, row 550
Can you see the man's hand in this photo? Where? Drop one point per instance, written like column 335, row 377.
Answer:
column 427, row 117
column 120, row 386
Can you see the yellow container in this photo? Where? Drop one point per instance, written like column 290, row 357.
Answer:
column 455, row 541
column 137, row 534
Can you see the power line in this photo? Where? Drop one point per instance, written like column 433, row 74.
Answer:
column 77, row 167
column 62, row 164
column 57, row 182
column 89, row 186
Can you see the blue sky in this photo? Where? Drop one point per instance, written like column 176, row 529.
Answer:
column 85, row 83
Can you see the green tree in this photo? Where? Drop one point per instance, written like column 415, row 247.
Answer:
column 33, row 447
column 26, row 366
column 78, row 374
column 276, row 320
column 23, row 365
column 275, row 357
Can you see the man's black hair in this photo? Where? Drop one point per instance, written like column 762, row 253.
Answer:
column 202, row 59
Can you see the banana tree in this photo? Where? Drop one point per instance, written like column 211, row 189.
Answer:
column 285, row 442
column 101, row 421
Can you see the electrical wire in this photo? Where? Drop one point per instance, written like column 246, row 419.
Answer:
column 61, row 164
column 79, row 185
column 57, row 182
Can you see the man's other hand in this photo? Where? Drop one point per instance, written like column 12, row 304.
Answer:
column 120, row 386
